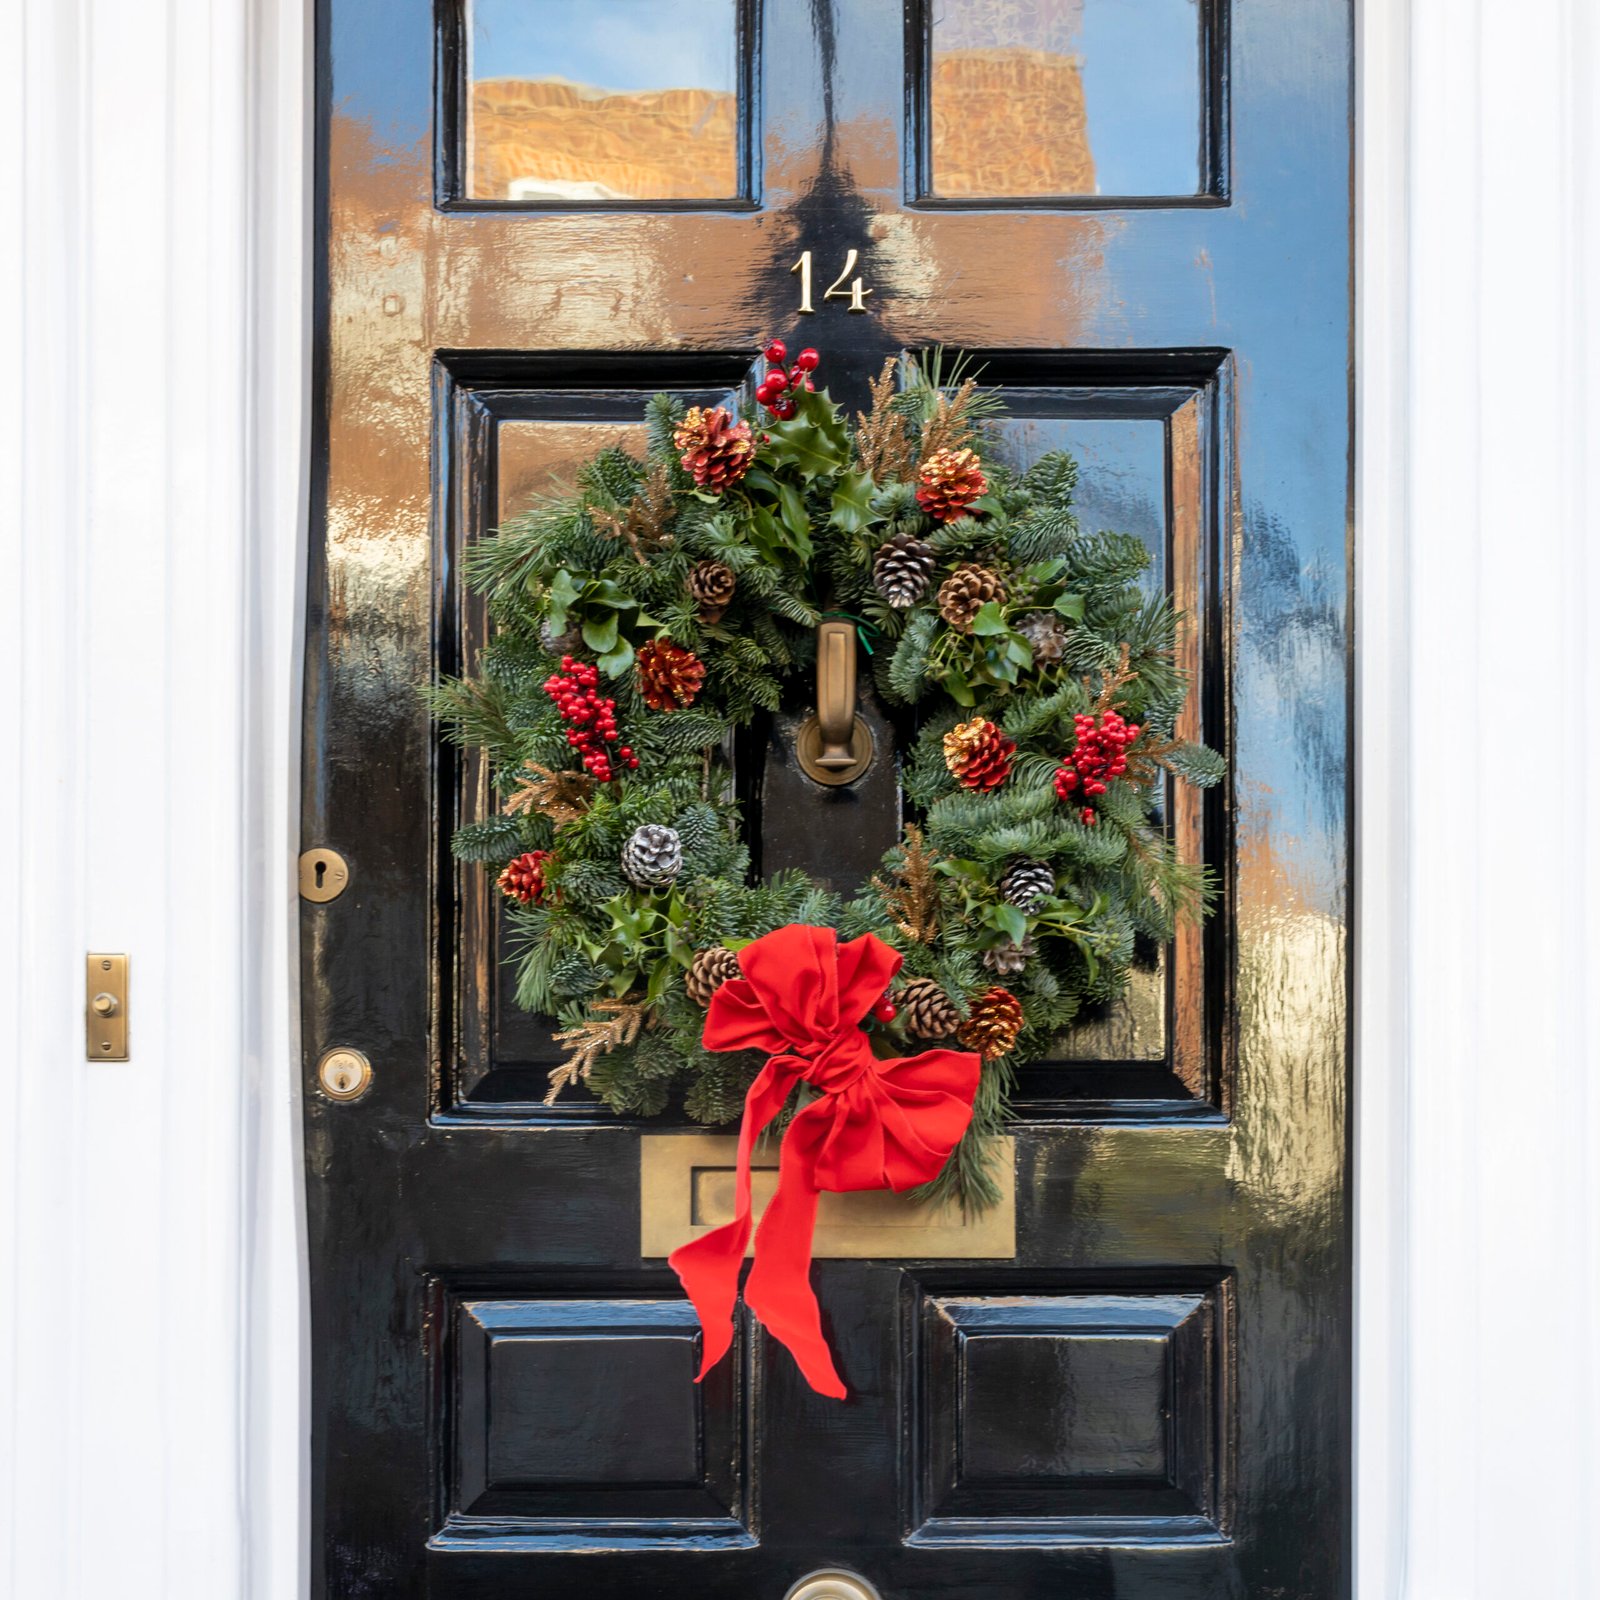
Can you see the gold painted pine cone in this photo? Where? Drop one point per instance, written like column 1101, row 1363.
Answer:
column 948, row 482
column 669, row 676
column 992, row 1024
column 965, row 591
column 717, row 451
column 978, row 754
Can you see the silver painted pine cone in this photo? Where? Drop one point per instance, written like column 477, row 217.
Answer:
column 653, row 857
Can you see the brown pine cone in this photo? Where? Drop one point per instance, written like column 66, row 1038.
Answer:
column 978, row 754
column 902, row 569
column 712, row 968
column 926, row 1010
column 717, row 451
column 948, row 482
column 712, row 584
column 523, row 879
column 1047, row 633
column 992, row 1024
column 965, row 590
column 669, row 676
column 1008, row 959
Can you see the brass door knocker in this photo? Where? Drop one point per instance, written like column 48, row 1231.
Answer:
column 834, row 746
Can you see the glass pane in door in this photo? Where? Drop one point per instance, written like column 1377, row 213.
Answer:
column 607, row 100
column 1066, row 98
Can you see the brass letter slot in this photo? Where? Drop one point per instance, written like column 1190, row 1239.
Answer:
column 686, row 1189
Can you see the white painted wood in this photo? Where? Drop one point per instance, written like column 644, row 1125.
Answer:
column 1478, row 1121
column 152, row 1405
column 153, row 439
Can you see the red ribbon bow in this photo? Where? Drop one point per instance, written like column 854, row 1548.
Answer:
column 877, row 1124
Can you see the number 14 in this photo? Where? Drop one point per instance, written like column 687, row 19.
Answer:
column 856, row 294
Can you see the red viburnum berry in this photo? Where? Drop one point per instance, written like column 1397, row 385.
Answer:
column 1099, row 756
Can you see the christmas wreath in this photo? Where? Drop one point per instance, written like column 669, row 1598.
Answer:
column 642, row 620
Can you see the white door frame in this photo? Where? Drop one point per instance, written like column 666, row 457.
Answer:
column 153, row 449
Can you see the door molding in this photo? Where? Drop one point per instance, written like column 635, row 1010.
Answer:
column 158, row 300
column 1477, row 1121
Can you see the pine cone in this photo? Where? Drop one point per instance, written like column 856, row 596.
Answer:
column 902, row 569
column 653, row 857
column 948, row 482
column 1047, row 633
column 1027, row 884
column 717, row 451
column 992, row 1024
column 1008, row 959
column 712, row 584
column 669, row 676
column 926, row 1010
column 712, row 968
column 965, row 590
column 978, row 754
column 523, row 879
column 559, row 644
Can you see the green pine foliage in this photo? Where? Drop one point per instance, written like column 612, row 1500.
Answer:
column 603, row 576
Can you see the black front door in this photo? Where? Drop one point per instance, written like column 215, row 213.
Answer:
column 1136, row 214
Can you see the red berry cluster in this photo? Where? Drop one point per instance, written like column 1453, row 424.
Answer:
column 777, row 390
column 1100, row 755
column 591, row 721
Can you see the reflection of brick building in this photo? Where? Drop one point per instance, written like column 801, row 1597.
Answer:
column 543, row 138
column 1006, row 121
column 1009, row 122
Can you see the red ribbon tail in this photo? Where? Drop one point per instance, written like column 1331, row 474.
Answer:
column 779, row 1289
column 708, row 1267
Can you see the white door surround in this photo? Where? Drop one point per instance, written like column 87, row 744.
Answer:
column 153, row 450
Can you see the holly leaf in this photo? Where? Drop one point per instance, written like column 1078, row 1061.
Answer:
column 852, row 508
column 815, row 441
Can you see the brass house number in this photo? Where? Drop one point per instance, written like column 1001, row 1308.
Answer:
column 856, row 292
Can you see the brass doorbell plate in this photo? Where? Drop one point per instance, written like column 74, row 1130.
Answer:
column 105, row 1007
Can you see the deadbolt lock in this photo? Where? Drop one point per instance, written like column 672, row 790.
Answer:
column 344, row 1074
column 324, row 875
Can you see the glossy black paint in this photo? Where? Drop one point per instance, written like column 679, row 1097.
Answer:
column 1153, row 1398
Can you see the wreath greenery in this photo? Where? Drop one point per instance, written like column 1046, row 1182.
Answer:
column 641, row 620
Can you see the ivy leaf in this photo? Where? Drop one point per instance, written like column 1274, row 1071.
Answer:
column 956, row 686
column 617, row 660
column 988, row 620
column 563, row 596
column 1070, row 606
column 1009, row 920
column 601, row 636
